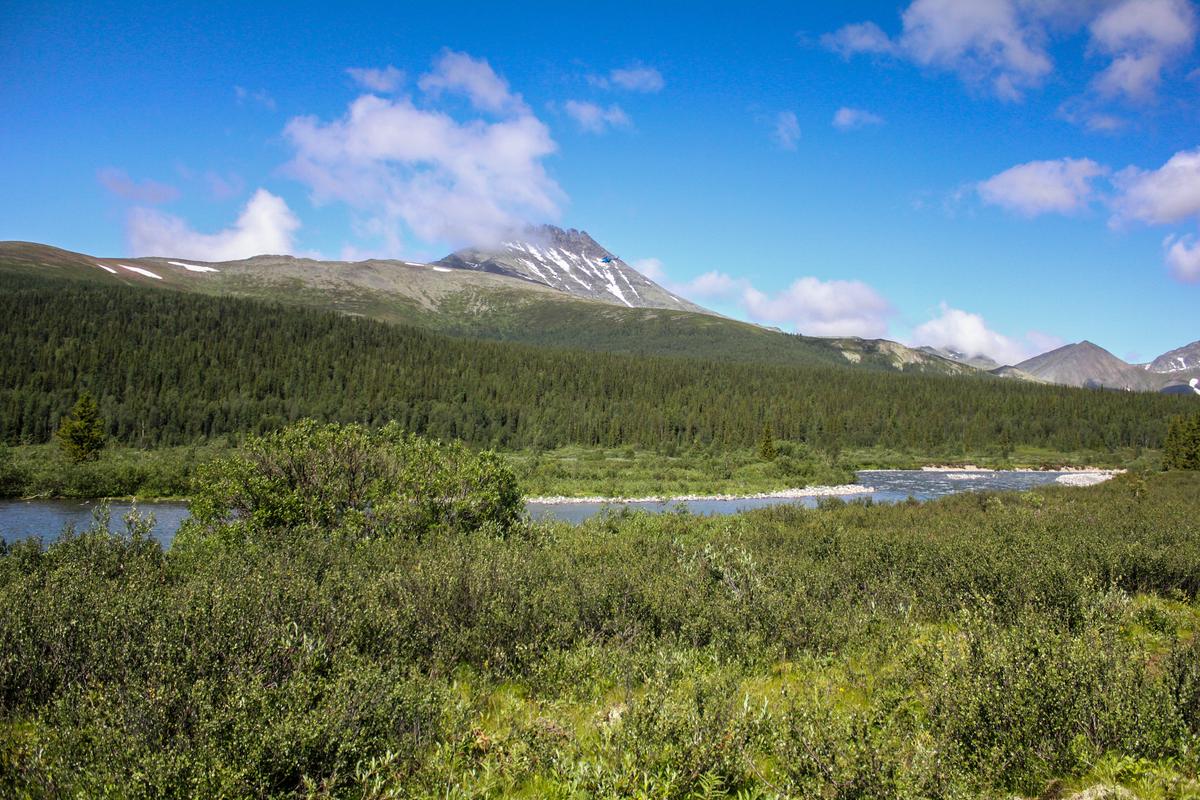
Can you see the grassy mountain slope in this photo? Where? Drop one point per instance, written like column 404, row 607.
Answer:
column 476, row 305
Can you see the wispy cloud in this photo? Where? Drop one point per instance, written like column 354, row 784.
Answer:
column 634, row 78
column 474, row 78
column 848, row 119
column 258, row 96
column 786, row 131
column 385, row 80
column 148, row 191
column 594, row 118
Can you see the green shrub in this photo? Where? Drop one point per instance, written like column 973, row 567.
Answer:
column 347, row 481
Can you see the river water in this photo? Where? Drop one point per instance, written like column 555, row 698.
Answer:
column 23, row 519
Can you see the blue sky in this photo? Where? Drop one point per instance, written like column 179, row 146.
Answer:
column 996, row 175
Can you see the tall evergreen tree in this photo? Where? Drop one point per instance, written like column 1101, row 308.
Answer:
column 82, row 433
column 766, row 444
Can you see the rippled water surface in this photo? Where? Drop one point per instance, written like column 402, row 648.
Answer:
column 21, row 519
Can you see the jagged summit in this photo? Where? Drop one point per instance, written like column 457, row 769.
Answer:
column 570, row 261
column 1181, row 359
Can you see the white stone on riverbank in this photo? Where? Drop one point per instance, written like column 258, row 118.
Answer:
column 1087, row 478
column 783, row 494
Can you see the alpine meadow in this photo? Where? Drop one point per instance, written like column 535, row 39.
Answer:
column 553, row 401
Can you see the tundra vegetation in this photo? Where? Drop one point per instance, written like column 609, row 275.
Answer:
column 365, row 614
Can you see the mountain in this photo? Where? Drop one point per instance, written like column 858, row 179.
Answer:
column 1184, row 359
column 1085, row 364
column 985, row 363
column 572, row 262
column 485, row 301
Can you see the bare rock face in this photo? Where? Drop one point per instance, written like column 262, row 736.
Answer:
column 1180, row 360
column 1085, row 364
column 572, row 262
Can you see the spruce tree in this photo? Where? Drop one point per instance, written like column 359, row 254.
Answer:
column 766, row 444
column 82, row 433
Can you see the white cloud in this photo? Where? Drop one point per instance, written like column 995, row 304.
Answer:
column 446, row 180
column 455, row 72
column 1183, row 257
column 1141, row 36
column 847, row 119
column 1040, row 187
column 594, row 118
column 634, row 78
column 385, row 81
column 787, row 130
column 1168, row 194
column 999, row 43
column 822, row 308
column 147, row 191
column 969, row 334
column 265, row 225
column 809, row 305
column 861, row 37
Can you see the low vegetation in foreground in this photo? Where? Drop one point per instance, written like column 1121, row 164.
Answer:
column 304, row 638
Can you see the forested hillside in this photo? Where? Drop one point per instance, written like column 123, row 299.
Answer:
column 170, row 368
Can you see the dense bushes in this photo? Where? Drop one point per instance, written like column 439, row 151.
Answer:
column 975, row 646
column 345, row 481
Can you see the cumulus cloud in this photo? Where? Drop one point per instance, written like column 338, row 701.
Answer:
column 634, row 78
column 594, row 118
column 459, row 73
column 969, row 334
column 997, row 43
column 809, row 305
column 1168, row 194
column 467, row 181
column 1038, row 187
column 1183, row 257
column 119, row 183
column 1164, row 196
column 1003, row 44
column 848, row 119
column 1141, row 36
column 786, row 132
column 384, row 81
column 822, row 308
column 265, row 225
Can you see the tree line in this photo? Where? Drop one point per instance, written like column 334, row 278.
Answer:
column 169, row 368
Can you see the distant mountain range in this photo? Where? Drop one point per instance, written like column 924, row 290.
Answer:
column 551, row 287
column 559, row 287
column 1088, row 365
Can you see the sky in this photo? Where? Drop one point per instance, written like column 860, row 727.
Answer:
column 996, row 176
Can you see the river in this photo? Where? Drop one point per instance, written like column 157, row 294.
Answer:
column 22, row 519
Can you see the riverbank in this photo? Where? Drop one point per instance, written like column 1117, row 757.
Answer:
column 782, row 494
column 576, row 473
